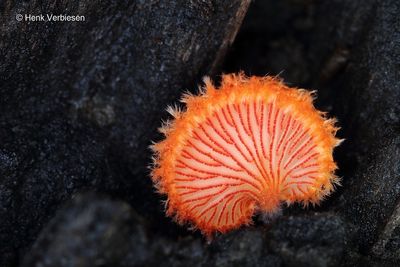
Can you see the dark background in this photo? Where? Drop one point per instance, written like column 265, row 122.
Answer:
column 81, row 102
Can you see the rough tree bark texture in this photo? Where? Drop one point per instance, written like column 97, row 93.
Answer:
column 365, row 94
column 80, row 102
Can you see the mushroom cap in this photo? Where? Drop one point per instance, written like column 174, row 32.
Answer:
column 247, row 146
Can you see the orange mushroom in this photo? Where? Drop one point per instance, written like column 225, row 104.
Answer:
column 248, row 146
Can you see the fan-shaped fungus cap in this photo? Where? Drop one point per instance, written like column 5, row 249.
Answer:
column 245, row 147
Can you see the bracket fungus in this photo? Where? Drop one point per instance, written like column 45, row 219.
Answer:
column 245, row 147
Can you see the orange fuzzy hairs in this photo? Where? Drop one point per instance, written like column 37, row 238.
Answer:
column 248, row 146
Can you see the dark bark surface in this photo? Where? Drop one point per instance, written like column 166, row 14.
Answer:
column 350, row 52
column 80, row 103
